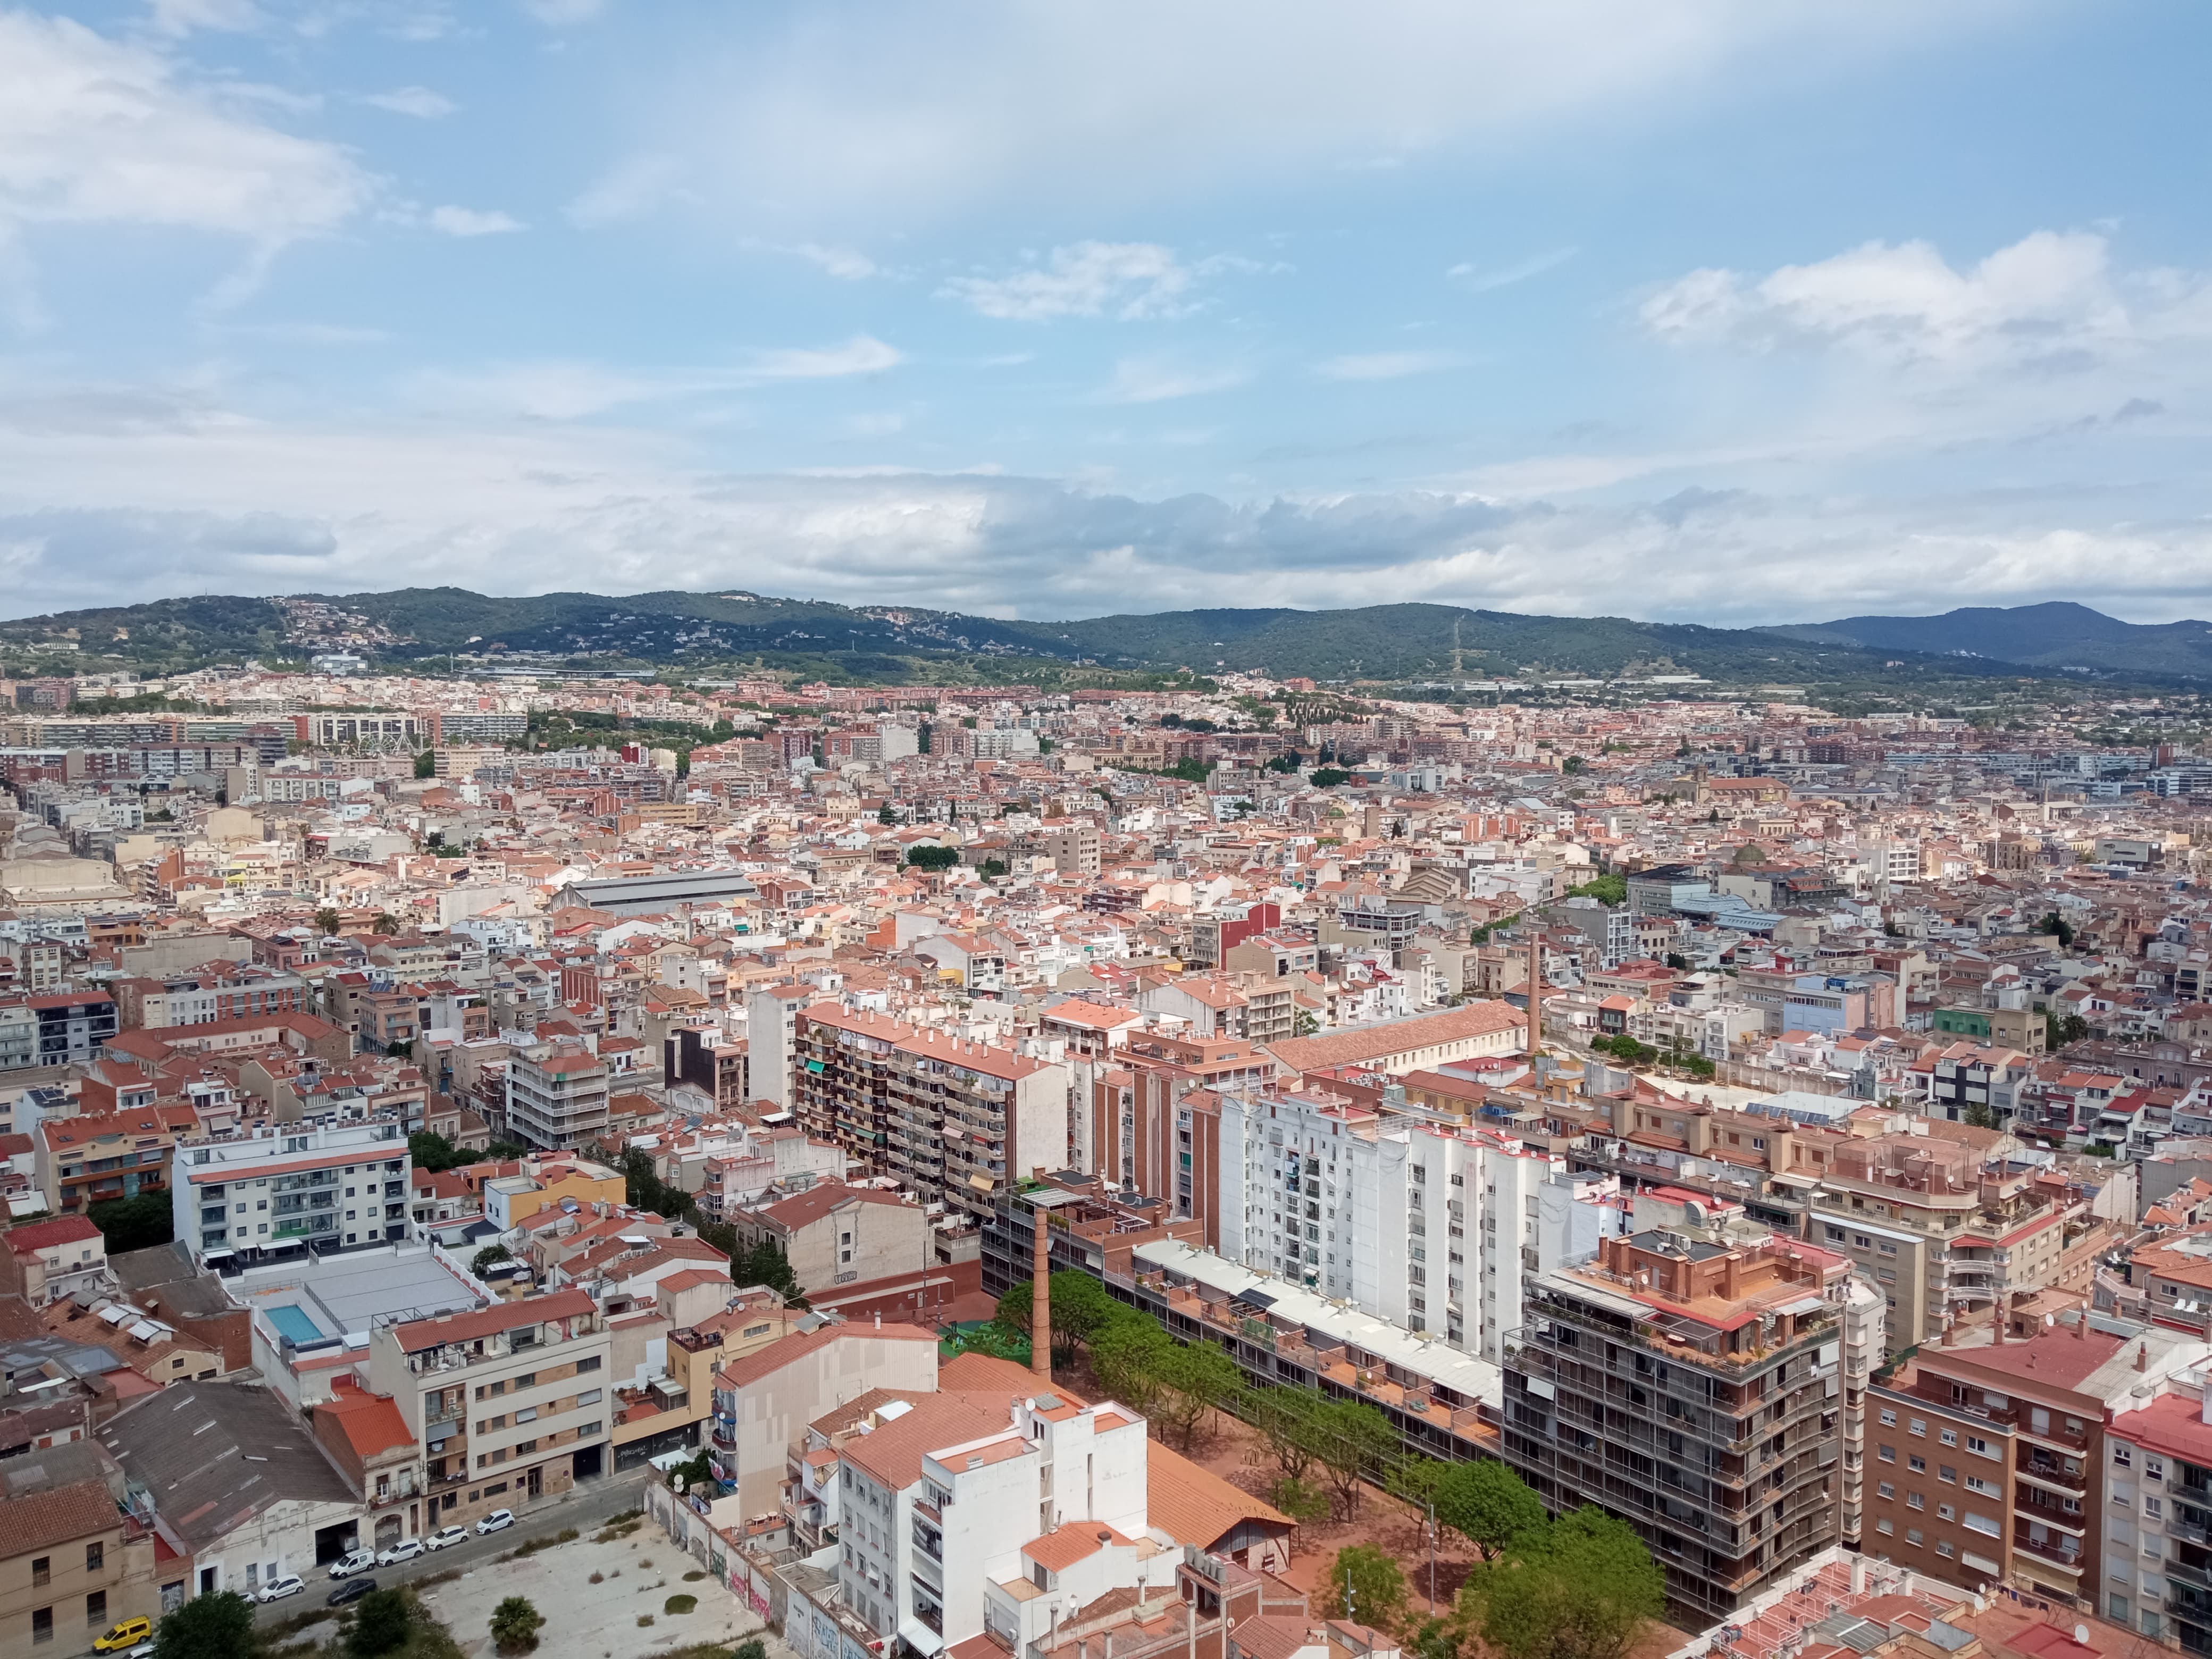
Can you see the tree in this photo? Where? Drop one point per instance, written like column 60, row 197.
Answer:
column 386, row 923
column 514, row 1624
column 766, row 1264
column 1980, row 1116
column 994, row 868
column 426, row 763
column 1302, row 1504
column 380, row 1620
column 134, row 1224
column 1129, row 1358
column 1350, row 1440
column 434, row 1154
column 1327, row 777
column 1365, row 1585
column 1606, row 889
column 1489, row 1505
column 1283, row 1417
column 1194, row 1377
column 933, row 858
column 1678, row 963
column 2059, row 1030
column 1582, row 1591
column 756, row 1649
column 886, row 815
column 488, row 1256
column 2054, row 923
column 327, row 920
column 217, row 1626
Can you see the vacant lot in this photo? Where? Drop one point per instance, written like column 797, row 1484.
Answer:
column 593, row 1594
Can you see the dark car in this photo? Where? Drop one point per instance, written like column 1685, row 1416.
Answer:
column 352, row 1590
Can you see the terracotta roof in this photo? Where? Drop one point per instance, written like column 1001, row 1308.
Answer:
column 45, row 1235
column 424, row 1333
column 372, row 1422
column 739, row 1373
column 1194, row 1506
column 33, row 1520
column 1062, row 1547
column 1370, row 1042
column 892, row 1455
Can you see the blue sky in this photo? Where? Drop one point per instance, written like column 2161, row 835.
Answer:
column 1709, row 310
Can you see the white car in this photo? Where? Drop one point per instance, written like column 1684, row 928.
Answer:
column 495, row 1521
column 444, row 1537
column 405, row 1550
column 279, row 1588
column 352, row 1562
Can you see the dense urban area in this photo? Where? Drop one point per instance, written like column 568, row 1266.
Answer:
column 992, row 1170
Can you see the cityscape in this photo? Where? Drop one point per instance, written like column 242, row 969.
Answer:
column 1105, row 831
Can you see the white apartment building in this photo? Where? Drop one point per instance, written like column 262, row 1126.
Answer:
column 771, row 1038
column 328, row 1185
column 1433, row 1228
column 956, row 1517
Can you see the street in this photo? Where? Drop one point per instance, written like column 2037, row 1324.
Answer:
column 585, row 1507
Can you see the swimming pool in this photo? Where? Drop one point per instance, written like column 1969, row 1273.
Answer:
column 291, row 1320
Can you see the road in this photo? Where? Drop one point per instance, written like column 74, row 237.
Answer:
column 583, row 1507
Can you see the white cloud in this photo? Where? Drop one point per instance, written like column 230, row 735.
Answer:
column 2051, row 302
column 861, row 355
column 563, row 14
column 181, row 17
column 1386, row 365
column 846, row 265
column 1152, row 380
column 1479, row 279
column 1128, row 280
column 640, row 185
column 420, row 103
column 96, row 131
column 869, row 114
column 468, row 222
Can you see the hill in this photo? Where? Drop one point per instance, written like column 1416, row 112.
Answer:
column 1388, row 643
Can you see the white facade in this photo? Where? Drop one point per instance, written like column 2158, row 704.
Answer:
column 1432, row 1228
column 330, row 1184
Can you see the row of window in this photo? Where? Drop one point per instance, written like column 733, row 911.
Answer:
column 95, row 1617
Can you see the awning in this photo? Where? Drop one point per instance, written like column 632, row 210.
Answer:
column 919, row 1637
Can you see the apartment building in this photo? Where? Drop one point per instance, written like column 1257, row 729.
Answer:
column 217, row 991
column 2157, row 1491
column 278, row 1191
column 557, row 1094
column 1093, row 1229
column 48, row 1261
column 1944, row 1235
column 955, row 1120
column 65, row 1028
column 834, row 1235
column 772, row 1040
column 91, row 1159
column 1689, row 1387
column 509, row 1403
column 1073, row 848
column 961, row 1517
column 75, row 1557
column 1988, row 1461
column 1433, row 1227
column 1154, row 1118
column 694, row 1055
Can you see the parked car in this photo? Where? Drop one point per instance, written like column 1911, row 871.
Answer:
column 279, row 1588
column 495, row 1521
column 446, row 1537
column 351, row 1562
column 405, row 1550
column 352, row 1590
column 144, row 1650
column 128, row 1634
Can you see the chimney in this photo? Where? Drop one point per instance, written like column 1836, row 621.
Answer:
column 1041, row 1296
column 1858, row 1574
column 2142, row 1354
column 1535, row 991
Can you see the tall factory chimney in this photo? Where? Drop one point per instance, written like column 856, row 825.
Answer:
column 1041, row 1295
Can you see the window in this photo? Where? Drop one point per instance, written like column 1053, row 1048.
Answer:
column 1889, row 1419
column 1887, row 1453
column 42, row 1571
column 1916, row 1427
column 1835, row 1235
column 2154, row 1468
column 1949, row 1436
column 2123, row 1457
column 42, row 1624
column 1945, row 1472
column 95, row 1610
column 1917, row 1463
column 1912, row 1501
column 1912, row 1535
column 1945, row 1512
column 1884, row 1528
column 1979, row 1447
column 96, row 1557
column 2153, row 1508
column 1943, row 1547
column 591, row 1362
column 1887, row 1489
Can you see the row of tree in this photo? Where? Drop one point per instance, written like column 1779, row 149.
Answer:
column 1575, row 1588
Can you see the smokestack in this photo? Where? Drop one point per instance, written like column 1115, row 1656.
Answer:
column 1041, row 1296
column 1535, row 991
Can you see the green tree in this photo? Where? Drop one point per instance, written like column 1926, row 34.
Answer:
column 327, row 920
column 2054, row 923
column 933, row 858
column 1304, row 1504
column 2059, row 1030
column 1130, row 1357
column 1582, row 1591
column 1350, row 1440
column 380, row 1623
column 1284, row 1418
column 1080, row 1309
column 766, row 1264
column 1608, row 888
column 1327, row 777
column 755, row 1648
column 490, row 1256
column 218, row 1626
column 1365, row 1586
column 1194, row 1377
column 426, row 763
column 134, row 1224
column 886, row 816
column 387, row 924
column 994, row 868
column 1489, row 1505
column 1980, row 1115
column 514, row 1624
column 434, row 1154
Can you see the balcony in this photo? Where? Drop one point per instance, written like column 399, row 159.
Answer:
column 2061, row 1552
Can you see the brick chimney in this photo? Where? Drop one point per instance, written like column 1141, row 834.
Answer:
column 1041, row 1295
column 1535, row 990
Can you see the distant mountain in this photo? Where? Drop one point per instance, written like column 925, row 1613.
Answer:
column 2055, row 635
column 1392, row 642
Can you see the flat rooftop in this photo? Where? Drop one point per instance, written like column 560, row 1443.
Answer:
column 343, row 1295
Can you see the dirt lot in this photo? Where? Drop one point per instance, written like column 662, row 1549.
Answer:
column 635, row 1574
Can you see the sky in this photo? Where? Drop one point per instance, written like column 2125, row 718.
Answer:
column 1720, row 311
